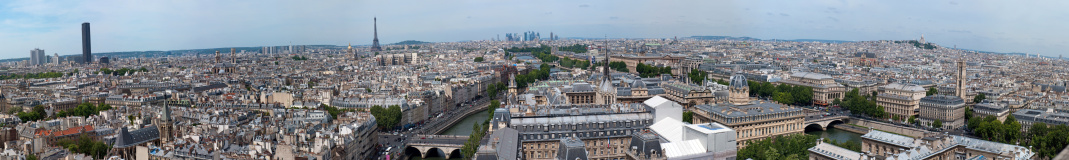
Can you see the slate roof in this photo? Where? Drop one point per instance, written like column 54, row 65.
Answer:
column 133, row 138
column 508, row 142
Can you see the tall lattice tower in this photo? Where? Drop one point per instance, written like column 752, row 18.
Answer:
column 375, row 43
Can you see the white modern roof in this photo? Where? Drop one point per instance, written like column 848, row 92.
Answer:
column 710, row 128
column 669, row 129
column 657, row 101
column 684, row 148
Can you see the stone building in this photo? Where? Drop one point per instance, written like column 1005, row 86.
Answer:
column 754, row 121
column 988, row 108
column 948, row 110
column 825, row 89
column 901, row 100
column 936, row 147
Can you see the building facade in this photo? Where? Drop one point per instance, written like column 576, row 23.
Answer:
column 947, row 110
column 901, row 100
column 755, row 121
column 825, row 89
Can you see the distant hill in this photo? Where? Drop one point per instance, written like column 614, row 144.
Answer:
column 756, row 39
column 819, row 40
column 725, row 38
column 410, row 42
column 204, row 52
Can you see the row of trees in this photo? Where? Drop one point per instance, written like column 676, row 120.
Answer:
column 783, row 93
column 618, row 66
column 544, row 48
column 1048, row 141
column 861, row 104
column 546, row 57
column 37, row 113
column 573, row 63
column 334, row 111
column 86, row 145
column 495, row 88
column 541, row 74
column 479, row 59
column 84, row 110
column 32, row 75
column 577, row 48
column 791, row 147
column 386, row 117
column 989, row 128
column 299, row 58
column 647, row 71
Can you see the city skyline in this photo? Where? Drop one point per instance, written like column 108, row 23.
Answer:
column 143, row 26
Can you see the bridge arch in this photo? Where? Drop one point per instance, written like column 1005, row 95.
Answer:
column 833, row 123
column 454, row 154
column 814, row 127
column 412, row 151
column 435, row 152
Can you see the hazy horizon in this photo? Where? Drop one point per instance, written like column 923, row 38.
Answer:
column 117, row 26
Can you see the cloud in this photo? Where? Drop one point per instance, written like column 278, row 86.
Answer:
column 833, row 19
column 784, row 14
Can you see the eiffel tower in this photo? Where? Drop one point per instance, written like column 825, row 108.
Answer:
column 375, row 43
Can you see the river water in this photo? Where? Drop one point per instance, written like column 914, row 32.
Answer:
column 837, row 135
column 463, row 128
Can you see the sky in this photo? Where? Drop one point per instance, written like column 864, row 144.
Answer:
column 1035, row 26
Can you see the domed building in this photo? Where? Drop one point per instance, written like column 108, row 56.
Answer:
column 739, row 90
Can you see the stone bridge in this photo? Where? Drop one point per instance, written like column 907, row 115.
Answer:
column 822, row 122
column 447, row 146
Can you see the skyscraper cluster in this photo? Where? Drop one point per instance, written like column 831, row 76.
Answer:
column 527, row 36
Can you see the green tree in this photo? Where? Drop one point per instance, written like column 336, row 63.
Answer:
column 931, row 91
column 978, row 98
column 912, row 119
column 1011, row 130
column 697, row 76
column 479, row 59
column 968, row 113
column 796, row 144
column 937, row 124
column 688, row 116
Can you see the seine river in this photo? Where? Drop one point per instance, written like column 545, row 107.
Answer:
column 837, row 135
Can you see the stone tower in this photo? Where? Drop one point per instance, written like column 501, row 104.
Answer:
column 165, row 124
column 960, row 86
